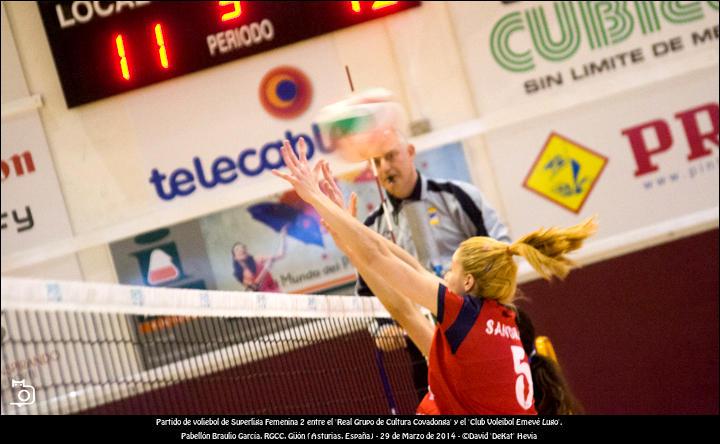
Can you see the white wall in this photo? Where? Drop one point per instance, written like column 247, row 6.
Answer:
column 97, row 149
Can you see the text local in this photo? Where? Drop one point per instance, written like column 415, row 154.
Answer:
column 83, row 12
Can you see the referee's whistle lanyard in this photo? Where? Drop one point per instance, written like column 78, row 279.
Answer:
column 435, row 267
column 396, row 214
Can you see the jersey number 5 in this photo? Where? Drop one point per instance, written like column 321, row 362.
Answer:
column 522, row 369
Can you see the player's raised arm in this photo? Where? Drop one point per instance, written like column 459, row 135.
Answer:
column 403, row 310
column 369, row 251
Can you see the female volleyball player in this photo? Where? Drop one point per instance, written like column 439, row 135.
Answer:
column 477, row 364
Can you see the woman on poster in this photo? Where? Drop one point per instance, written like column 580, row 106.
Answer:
column 254, row 272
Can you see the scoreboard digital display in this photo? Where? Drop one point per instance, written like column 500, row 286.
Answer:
column 106, row 48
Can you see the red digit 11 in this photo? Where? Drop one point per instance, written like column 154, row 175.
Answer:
column 122, row 52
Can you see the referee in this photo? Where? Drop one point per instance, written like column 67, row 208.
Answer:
column 429, row 220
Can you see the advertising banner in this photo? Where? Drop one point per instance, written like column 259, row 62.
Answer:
column 540, row 51
column 635, row 160
column 273, row 244
column 33, row 208
column 272, row 98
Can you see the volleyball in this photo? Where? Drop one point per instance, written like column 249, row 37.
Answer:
column 361, row 126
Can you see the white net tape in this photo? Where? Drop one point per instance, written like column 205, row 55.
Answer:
column 72, row 346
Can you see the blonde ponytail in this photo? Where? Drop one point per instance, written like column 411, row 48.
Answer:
column 491, row 263
column 545, row 249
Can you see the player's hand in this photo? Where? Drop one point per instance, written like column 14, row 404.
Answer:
column 329, row 186
column 304, row 180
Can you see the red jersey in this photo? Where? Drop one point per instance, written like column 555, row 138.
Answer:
column 477, row 364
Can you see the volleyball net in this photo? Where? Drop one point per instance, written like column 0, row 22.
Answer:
column 85, row 348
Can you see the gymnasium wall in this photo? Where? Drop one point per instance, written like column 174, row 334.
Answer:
column 638, row 333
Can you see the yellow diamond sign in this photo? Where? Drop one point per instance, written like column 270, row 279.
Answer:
column 565, row 172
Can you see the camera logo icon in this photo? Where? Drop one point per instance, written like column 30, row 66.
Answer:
column 23, row 393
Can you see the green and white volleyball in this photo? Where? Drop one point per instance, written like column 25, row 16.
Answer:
column 359, row 127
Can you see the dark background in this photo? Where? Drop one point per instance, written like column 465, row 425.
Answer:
column 638, row 334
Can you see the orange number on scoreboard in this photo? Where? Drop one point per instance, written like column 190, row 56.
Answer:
column 162, row 52
column 123, row 59
column 380, row 5
column 235, row 13
column 375, row 6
